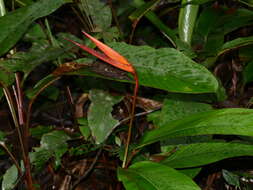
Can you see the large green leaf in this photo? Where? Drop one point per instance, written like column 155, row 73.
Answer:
column 14, row 24
column 204, row 153
column 175, row 110
column 167, row 69
column 100, row 119
column 154, row 176
column 234, row 121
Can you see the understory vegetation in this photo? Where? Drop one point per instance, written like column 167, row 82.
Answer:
column 71, row 121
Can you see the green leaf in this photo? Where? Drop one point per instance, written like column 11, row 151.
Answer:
column 247, row 2
column 10, row 178
column 230, row 22
column 157, row 22
column 100, row 119
column 2, row 8
column 198, row 2
column 14, row 24
column 236, row 43
column 40, row 157
column 176, row 109
column 206, row 21
column 84, row 127
column 191, row 172
column 55, row 142
column 142, row 10
column 213, row 24
column 6, row 76
column 245, row 53
column 35, row 33
column 39, row 131
column 199, row 154
column 27, row 61
column 2, row 135
column 40, row 85
column 186, row 22
column 231, row 178
column 167, row 69
column 154, row 176
column 248, row 72
column 99, row 13
column 51, row 144
column 25, row 2
column 234, row 121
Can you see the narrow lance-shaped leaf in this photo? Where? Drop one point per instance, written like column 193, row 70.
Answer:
column 154, row 176
column 176, row 109
column 247, row 2
column 234, row 121
column 112, row 57
column 204, row 153
column 236, row 43
column 142, row 10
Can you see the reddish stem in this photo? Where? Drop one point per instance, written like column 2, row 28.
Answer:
column 124, row 165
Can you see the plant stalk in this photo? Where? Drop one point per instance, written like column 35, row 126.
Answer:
column 186, row 22
column 19, row 101
column 2, row 8
column 125, row 161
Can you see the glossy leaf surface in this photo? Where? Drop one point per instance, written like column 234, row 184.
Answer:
column 187, row 17
column 236, row 43
column 167, row 69
column 234, row 121
column 154, row 176
column 205, row 153
column 175, row 109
